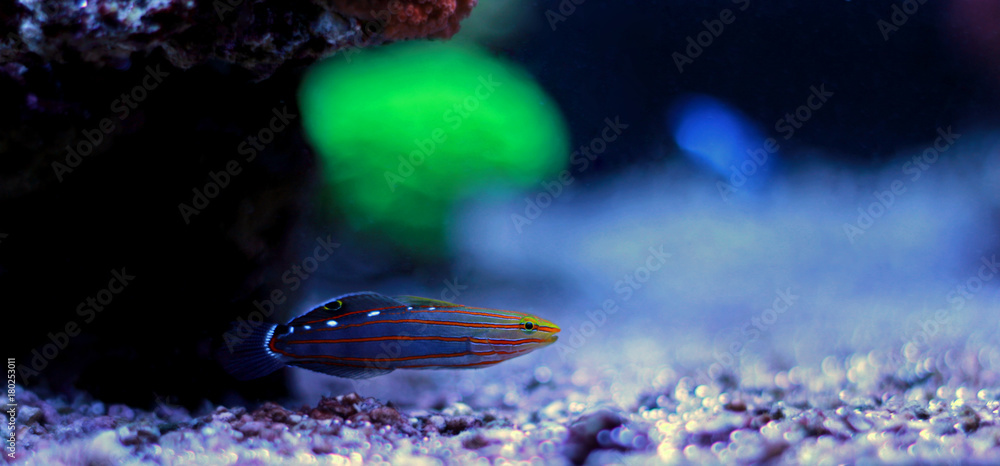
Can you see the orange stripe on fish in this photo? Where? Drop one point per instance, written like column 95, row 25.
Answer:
column 405, row 338
column 447, row 335
column 413, row 358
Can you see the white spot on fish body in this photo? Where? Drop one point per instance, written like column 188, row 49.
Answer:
column 306, row 327
column 267, row 341
column 331, row 323
column 374, row 313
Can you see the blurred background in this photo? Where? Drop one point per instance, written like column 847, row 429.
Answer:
column 718, row 187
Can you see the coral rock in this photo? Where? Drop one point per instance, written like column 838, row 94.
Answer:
column 408, row 19
column 256, row 35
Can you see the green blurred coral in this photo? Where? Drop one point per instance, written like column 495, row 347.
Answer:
column 406, row 130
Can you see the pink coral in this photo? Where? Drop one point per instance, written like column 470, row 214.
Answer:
column 408, row 19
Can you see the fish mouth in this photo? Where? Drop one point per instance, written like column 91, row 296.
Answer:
column 550, row 335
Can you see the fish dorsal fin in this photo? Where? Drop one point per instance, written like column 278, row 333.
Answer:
column 341, row 306
column 424, row 302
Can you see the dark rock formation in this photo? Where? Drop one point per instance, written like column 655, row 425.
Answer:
column 152, row 174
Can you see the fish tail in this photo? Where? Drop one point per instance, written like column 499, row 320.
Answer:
column 251, row 357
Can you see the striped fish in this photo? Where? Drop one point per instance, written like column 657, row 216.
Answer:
column 362, row 335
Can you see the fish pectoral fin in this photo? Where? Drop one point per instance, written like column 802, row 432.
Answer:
column 347, row 304
column 418, row 301
column 339, row 370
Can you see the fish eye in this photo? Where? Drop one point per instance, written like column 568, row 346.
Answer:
column 333, row 306
column 528, row 325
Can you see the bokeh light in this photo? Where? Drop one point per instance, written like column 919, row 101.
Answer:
column 406, row 130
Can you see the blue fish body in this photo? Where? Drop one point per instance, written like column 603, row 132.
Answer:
column 362, row 335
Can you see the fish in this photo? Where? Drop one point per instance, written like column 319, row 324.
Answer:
column 367, row 334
